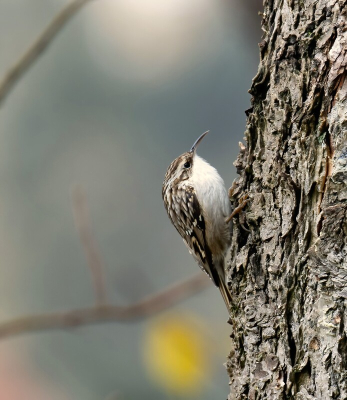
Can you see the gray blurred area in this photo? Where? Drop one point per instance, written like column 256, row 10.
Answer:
column 123, row 90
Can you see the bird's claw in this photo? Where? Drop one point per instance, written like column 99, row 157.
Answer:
column 242, row 204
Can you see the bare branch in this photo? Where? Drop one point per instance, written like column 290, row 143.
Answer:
column 101, row 313
column 38, row 47
column 83, row 227
column 107, row 313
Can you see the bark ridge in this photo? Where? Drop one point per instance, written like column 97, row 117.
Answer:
column 288, row 274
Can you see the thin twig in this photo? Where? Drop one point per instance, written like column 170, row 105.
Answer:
column 107, row 313
column 39, row 46
column 83, row 227
column 100, row 313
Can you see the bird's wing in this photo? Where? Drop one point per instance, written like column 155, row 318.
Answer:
column 190, row 224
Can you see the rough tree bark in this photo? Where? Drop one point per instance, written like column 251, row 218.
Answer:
column 288, row 274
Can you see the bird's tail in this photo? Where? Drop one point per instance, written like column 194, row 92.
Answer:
column 225, row 293
column 219, row 279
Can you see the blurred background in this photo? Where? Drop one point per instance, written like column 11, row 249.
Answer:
column 124, row 89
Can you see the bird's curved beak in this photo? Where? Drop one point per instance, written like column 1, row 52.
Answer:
column 198, row 140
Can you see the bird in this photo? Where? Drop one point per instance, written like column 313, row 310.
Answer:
column 198, row 206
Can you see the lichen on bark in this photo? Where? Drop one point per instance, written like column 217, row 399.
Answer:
column 288, row 270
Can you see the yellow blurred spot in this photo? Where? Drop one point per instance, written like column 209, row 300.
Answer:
column 175, row 353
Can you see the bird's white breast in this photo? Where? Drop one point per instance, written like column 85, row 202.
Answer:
column 213, row 200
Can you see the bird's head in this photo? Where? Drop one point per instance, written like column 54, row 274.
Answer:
column 182, row 167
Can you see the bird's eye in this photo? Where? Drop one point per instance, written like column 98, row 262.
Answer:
column 187, row 164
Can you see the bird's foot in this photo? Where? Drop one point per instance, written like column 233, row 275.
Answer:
column 232, row 190
column 242, row 204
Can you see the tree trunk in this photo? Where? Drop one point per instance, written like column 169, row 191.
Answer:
column 288, row 275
